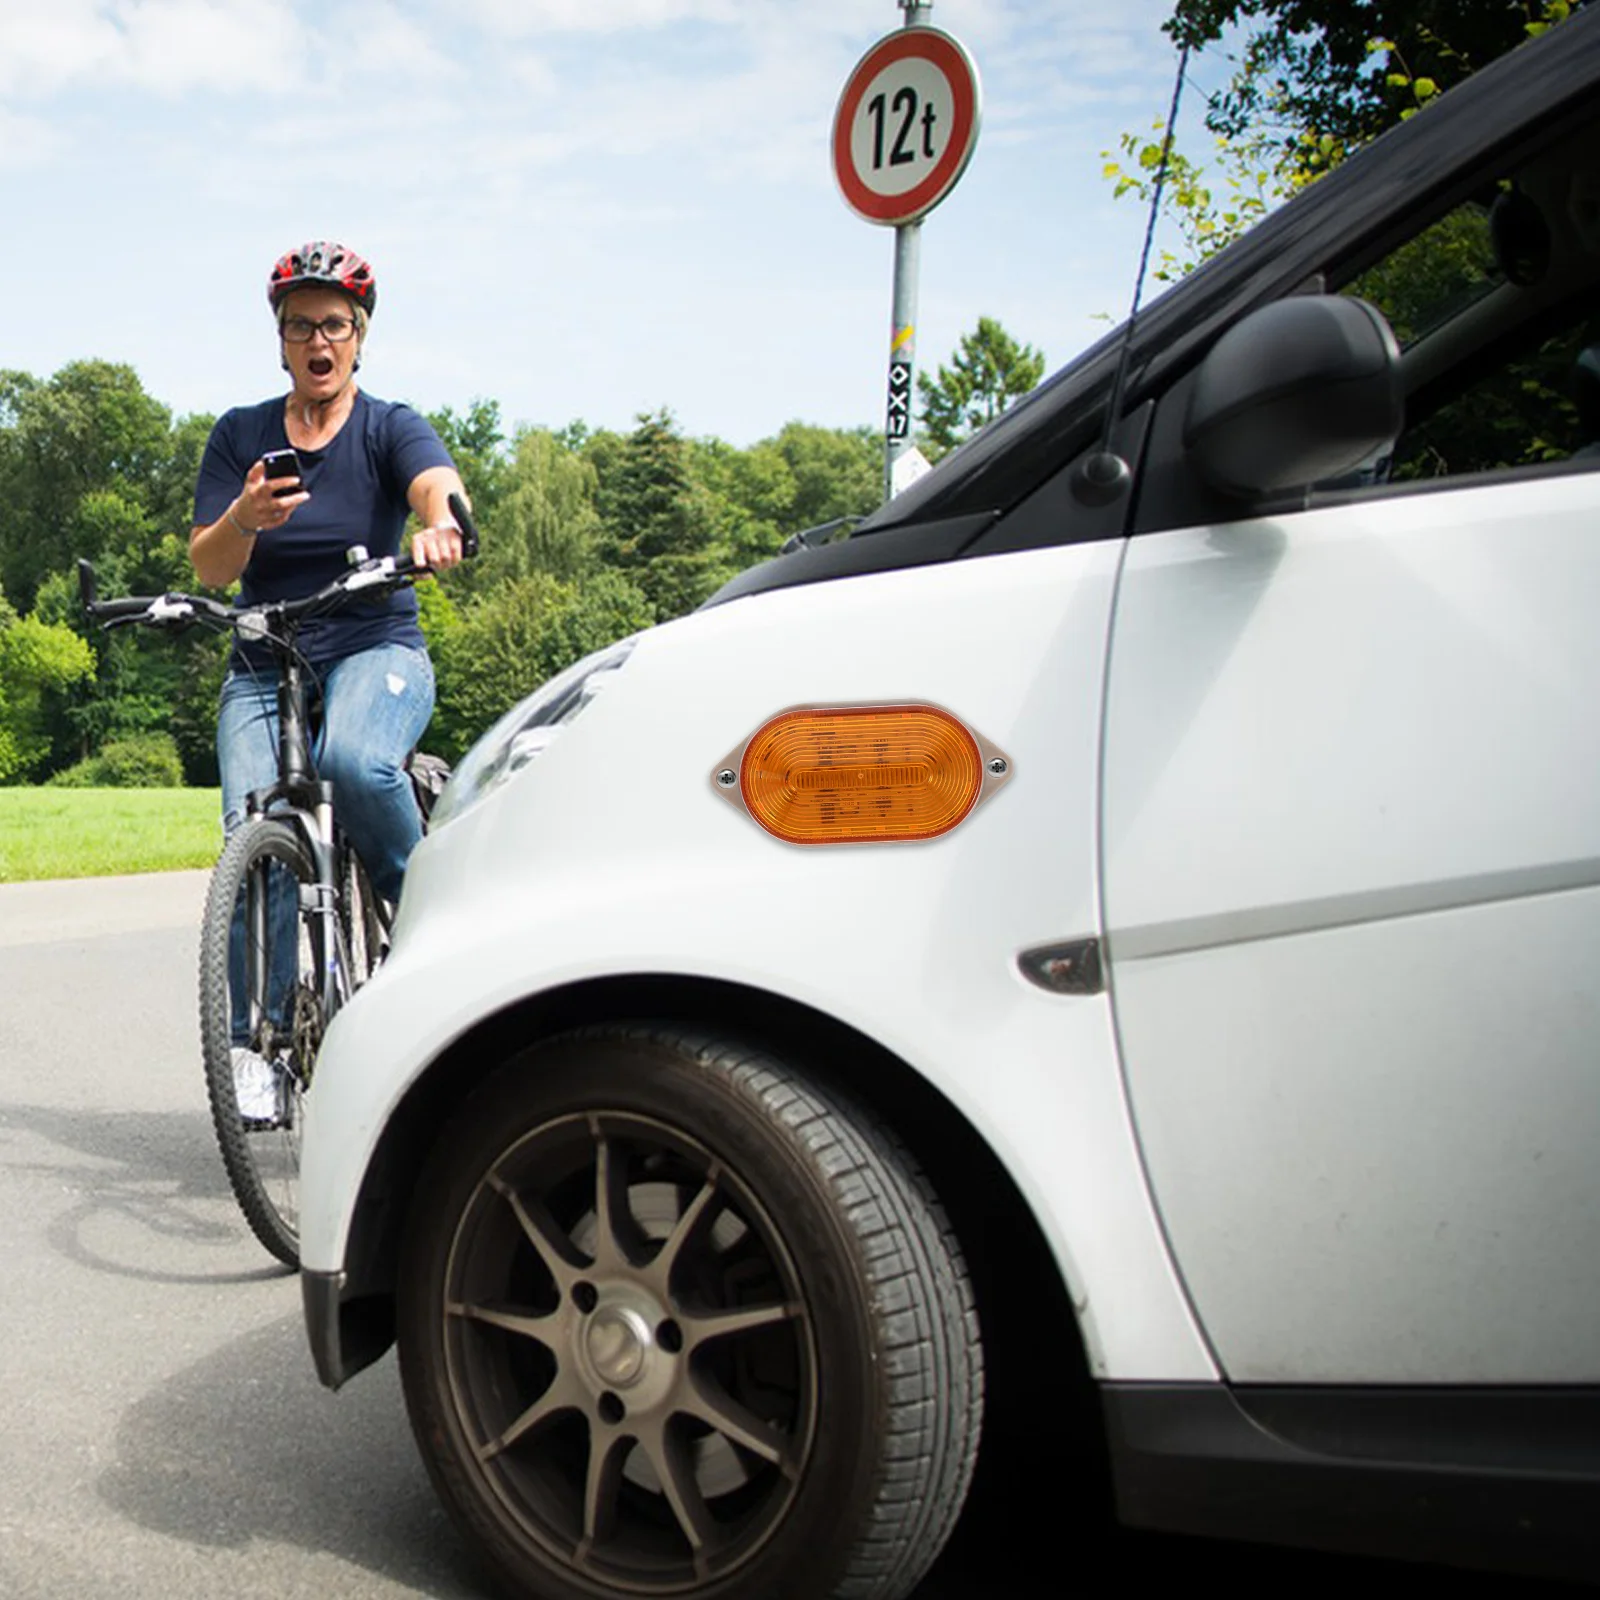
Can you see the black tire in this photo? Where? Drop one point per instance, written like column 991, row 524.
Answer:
column 262, row 864
column 363, row 918
column 679, row 1250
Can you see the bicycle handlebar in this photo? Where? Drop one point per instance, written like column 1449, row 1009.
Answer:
column 177, row 609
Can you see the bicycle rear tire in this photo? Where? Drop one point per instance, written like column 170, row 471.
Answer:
column 277, row 1012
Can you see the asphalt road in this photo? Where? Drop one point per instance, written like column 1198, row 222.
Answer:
column 162, row 1433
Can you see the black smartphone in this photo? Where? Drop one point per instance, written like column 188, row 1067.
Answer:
column 283, row 464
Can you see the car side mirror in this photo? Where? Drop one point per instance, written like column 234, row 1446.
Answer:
column 1298, row 391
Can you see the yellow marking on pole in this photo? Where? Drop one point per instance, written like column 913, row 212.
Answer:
column 903, row 338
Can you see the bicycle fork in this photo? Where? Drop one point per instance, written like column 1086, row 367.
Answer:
column 319, row 900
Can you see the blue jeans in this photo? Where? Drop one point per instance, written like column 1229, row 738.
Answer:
column 375, row 707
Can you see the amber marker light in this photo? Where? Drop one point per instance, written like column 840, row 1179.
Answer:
column 861, row 774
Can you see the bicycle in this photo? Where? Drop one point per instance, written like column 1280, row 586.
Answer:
column 291, row 927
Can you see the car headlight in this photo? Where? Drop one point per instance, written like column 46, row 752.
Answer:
column 527, row 730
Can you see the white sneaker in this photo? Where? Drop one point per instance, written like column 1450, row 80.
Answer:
column 258, row 1084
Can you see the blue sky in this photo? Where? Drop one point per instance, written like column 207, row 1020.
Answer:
column 579, row 208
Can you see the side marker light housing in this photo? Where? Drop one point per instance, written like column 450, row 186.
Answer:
column 866, row 774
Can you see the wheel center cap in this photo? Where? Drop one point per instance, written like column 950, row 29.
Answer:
column 618, row 1341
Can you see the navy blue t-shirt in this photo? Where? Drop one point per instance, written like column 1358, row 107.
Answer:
column 357, row 484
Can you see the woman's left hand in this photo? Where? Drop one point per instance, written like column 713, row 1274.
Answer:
column 437, row 547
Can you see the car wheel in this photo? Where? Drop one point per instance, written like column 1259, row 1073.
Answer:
column 675, row 1320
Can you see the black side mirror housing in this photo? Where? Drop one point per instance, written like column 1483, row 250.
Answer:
column 1298, row 391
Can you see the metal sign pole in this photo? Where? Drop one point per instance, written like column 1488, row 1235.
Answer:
column 903, row 132
column 897, row 436
column 902, row 349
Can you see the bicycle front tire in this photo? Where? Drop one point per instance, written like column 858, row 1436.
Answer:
column 260, row 992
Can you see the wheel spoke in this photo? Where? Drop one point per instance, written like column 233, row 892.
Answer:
column 564, row 1394
column 543, row 1330
column 608, row 1454
column 542, row 1231
column 738, row 1425
column 701, row 1328
column 616, row 1235
column 675, row 1469
column 693, row 1218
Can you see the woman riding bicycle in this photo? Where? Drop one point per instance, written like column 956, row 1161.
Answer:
column 364, row 467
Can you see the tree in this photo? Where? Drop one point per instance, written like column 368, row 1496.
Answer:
column 1314, row 81
column 838, row 472
column 508, row 643
column 35, row 658
column 989, row 370
column 91, row 429
column 547, row 520
column 654, row 524
column 477, row 445
column 1311, row 65
column 1252, row 172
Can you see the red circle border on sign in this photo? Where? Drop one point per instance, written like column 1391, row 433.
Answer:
column 950, row 59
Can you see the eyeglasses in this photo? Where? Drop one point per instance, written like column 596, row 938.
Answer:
column 298, row 330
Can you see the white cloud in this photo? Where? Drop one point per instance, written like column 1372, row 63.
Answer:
column 165, row 47
column 640, row 190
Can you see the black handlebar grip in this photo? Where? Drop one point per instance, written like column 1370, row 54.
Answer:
column 107, row 611
column 469, row 529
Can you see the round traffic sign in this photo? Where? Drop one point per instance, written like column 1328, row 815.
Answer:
column 905, row 126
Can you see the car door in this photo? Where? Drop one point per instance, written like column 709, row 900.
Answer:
column 1351, row 872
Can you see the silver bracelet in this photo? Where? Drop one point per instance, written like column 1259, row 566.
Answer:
column 249, row 533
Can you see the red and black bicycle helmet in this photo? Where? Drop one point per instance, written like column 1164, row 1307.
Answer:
column 322, row 264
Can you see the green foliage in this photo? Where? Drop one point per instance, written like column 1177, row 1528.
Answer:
column 837, row 473
column 504, row 647
column 989, row 370
column 1315, row 79
column 1210, row 207
column 477, row 444
column 89, row 430
column 656, row 524
column 36, row 658
column 1432, row 274
column 1310, row 64
column 547, row 522
column 139, row 761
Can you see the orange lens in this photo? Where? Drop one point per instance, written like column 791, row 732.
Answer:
column 870, row 773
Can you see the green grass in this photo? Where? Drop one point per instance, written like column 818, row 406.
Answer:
column 92, row 833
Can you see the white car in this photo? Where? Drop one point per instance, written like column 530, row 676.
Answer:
column 1126, row 918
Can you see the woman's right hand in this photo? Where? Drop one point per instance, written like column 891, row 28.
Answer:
column 221, row 551
column 258, row 509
